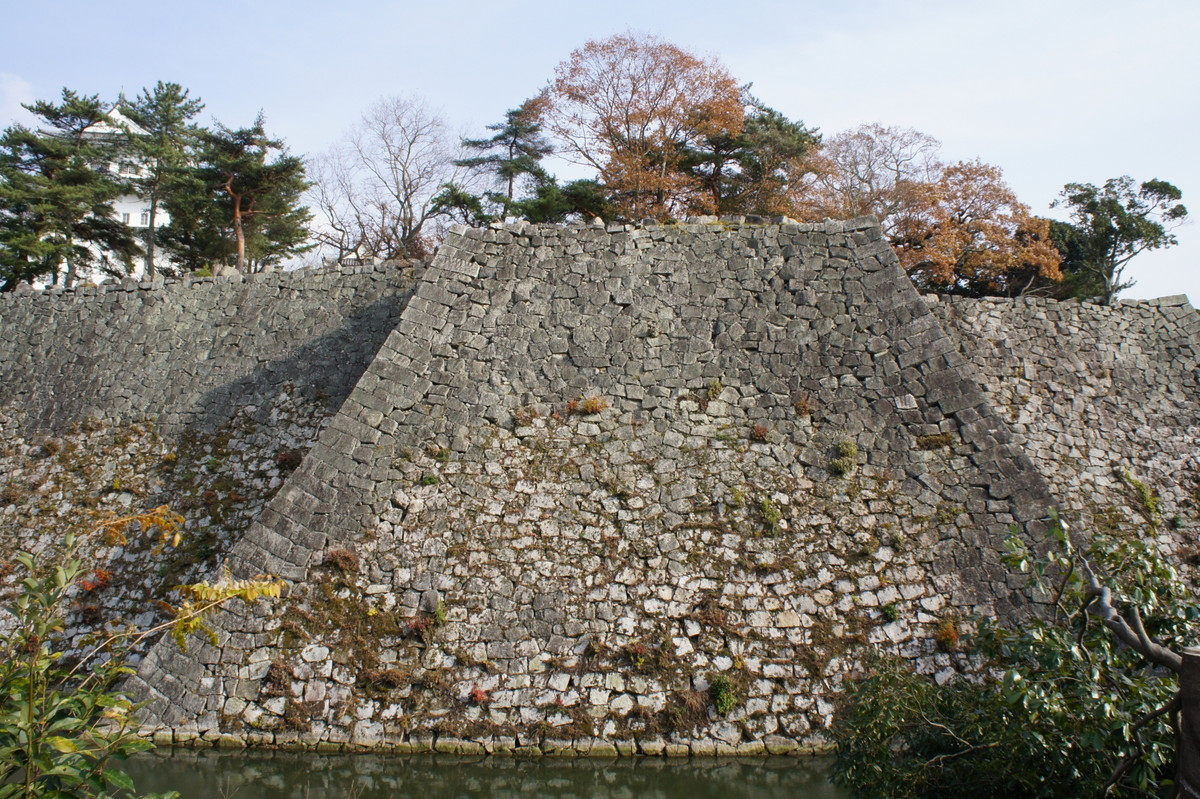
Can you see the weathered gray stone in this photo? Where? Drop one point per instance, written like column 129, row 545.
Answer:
column 588, row 464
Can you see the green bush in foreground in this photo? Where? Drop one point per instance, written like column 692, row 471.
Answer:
column 64, row 729
column 1063, row 710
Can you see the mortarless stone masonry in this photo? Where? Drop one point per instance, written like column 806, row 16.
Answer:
column 595, row 476
column 190, row 354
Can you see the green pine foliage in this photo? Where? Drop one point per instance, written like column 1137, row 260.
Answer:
column 511, row 160
column 56, row 195
column 757, row 170
column 514, row 153
column 239, row 205
column 162, row 152
column 233, row 195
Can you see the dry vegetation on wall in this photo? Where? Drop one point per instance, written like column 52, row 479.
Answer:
column 615, row 489
column 55, row 485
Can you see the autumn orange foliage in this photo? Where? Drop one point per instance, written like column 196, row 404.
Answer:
column 628, row 105
column 101, row 579
column 973, row 235
column 956, row 228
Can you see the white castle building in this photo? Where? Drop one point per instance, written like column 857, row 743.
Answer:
column 131, row 209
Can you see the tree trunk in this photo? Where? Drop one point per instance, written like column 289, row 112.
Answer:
column 149, row 271
column 240, row 233
column 1187, row 754
column 69, row 277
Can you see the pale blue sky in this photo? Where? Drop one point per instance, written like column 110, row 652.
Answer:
column 1051, row 91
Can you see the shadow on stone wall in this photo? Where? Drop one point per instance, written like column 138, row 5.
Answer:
column 324, row 369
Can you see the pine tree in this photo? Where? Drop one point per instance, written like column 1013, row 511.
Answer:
column 240, row 204
column 515, row 151
column 513, row 154
column 162, row 148
column 56, row 194
column 551, row 202
column 753, row 171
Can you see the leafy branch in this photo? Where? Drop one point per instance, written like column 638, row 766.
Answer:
column 62, row 725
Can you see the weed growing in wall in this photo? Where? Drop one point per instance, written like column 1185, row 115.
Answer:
column 721, row 691
column 771, row 515
column 846, row 461
column 1147, row 498
column 594, row 405
column 946, row 635
column 935, row 441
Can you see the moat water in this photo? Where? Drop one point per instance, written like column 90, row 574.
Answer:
column 217, row 774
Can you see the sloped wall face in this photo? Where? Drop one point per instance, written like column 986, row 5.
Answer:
column 1102, row 399
column 240, row 376
column 190, row 354
column 664, row 485
column 52, row 486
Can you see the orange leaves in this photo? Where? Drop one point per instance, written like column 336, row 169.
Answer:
column 628, row 105
column 587, row 406
column 167, row 522
column 100, row 578
column 973, row 235
column 957, row 228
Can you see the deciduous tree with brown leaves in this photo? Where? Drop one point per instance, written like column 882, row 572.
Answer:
column 956, row 228
column 971, row 235
column 629, row 106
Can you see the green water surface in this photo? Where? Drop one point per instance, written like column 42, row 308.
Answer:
column 219, row 774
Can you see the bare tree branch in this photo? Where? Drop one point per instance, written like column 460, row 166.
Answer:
column 375, row 188
column 1132, row 635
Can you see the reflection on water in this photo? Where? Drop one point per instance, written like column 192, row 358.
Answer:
column 201, row 774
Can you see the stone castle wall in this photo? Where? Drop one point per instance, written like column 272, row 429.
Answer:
column 661, row 489
column 189, row 354
column 1100, row 398
column 594, row 473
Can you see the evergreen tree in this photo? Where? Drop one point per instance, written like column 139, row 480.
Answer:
column 162, row 149
column 1112, row 224
column 239, row 205
column 56, row 194
column 755, row 170
column 513, row 154
column 550, row 202
column 461, row 205
column 199, row 235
